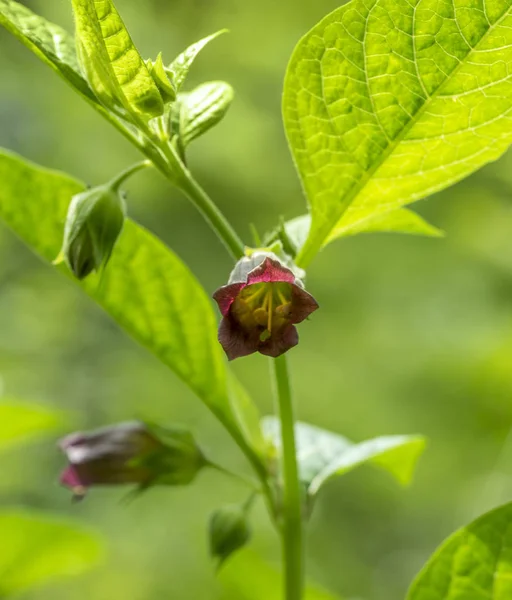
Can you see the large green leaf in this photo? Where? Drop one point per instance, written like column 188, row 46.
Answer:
column 19, row 421
column 401, row 220
column 37, row 549
column 248, row 577
column 146, row 288
column 114, row 67
column 388, row 101
column 323, row 455
column 56, row 48
column 475, row 563
column 48, row 41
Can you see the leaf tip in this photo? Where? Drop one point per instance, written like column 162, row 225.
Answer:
column 417, row 445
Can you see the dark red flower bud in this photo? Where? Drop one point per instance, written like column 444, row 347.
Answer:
column 260, row 306
column 130, row 453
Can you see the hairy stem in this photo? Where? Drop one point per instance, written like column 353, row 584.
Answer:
column 291, row 527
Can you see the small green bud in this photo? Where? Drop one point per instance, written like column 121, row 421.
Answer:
column 195, row 112
column 229, row 531
column 157, row 71
column 93, row 224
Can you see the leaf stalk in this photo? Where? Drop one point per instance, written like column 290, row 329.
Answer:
column 118, row 181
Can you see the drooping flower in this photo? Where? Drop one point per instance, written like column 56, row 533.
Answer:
column 260, row 306
column 130, row 452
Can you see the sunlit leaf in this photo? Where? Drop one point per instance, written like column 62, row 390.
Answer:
column 248, row 577
column 475, row 563
column 180, row 66
column 201, row 109
column 323, row 455
column 37, row 549
column 48, row 41
column 20, row 421
column 401, row 220
column 56, row 48
column 112, row 63
column 146, row 289
column 388, row 101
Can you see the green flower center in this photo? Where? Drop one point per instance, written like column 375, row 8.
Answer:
column 264, row 307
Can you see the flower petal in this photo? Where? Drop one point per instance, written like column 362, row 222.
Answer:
column 270, row 270
column 235, row 341
column 226, row 295
column 71, row 478
column 303, row 304
column 281, row 343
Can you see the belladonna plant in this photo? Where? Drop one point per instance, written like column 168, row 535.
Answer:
column 383, row 104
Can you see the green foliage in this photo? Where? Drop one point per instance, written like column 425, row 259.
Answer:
column 195, row 112
column 37, row 549
column 113, row 66
column 401, row 220
column 323, row 455
column 473, row 564
column 48, row 41
column 386, row 103
column 20, row 421
column 180, row 66
column 146, row 288
column 55, row 47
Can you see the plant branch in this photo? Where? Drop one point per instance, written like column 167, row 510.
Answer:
column 118, row 181
column 245, row 480
column 291, row 528
column 213, row 216
column 169, row 164
column 177, row 173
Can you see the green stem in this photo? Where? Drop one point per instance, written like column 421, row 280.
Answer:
column 166, row 164
column 213, row 216
column 118, row 181
column 291, row 529
column 165, row 160
column 249, row 482
column 176, row 171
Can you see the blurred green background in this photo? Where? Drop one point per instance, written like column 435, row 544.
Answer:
column 413, row 336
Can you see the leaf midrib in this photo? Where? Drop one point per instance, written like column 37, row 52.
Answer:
column 309, row 250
